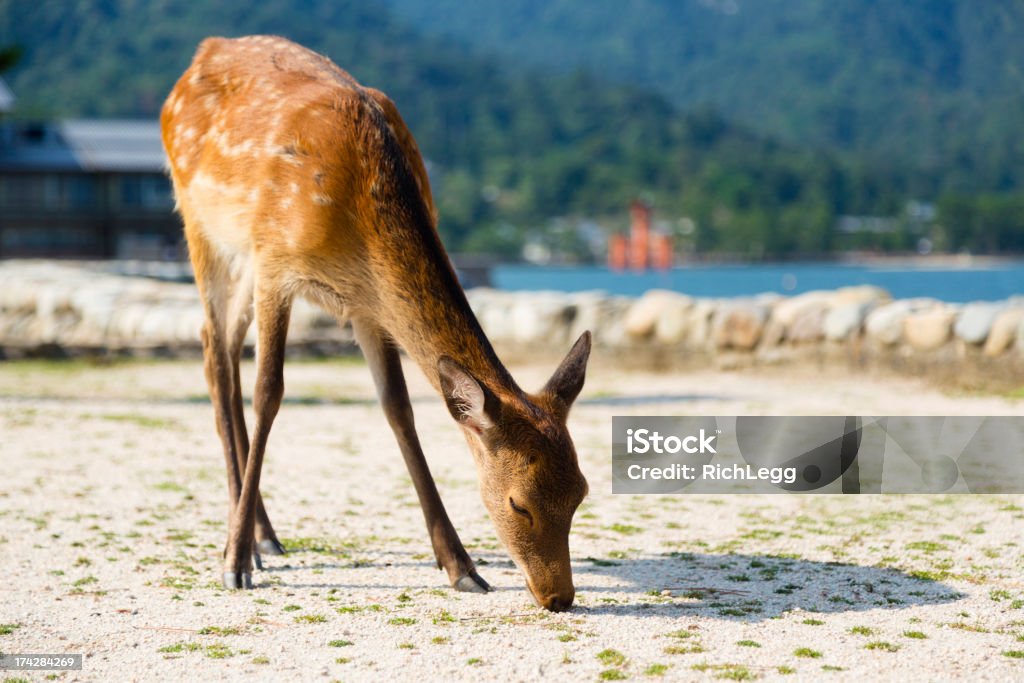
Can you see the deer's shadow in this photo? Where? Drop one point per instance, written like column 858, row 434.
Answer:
column 741, row 587
column 748, row 588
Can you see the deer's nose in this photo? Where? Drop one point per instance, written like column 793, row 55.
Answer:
column 559, row 603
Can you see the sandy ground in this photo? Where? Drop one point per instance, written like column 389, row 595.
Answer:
column 112, row 518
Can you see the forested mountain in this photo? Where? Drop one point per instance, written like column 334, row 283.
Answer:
column 567, row 109
column 936, row 86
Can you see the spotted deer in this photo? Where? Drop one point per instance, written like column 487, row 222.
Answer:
column 292, row 179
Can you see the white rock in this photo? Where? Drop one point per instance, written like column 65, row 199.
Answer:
column 1004, row 331
column 643, row 316
column 975, row 321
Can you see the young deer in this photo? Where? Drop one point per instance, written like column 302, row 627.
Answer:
column 293, row 179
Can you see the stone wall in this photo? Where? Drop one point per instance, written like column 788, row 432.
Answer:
column 51, row 308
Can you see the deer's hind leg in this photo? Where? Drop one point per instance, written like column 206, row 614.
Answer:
column 226, row 293
column 273, row 306
column 239, row 319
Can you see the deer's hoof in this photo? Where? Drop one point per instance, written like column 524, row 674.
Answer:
column 472, row 583
column 270, row 546
column 236, row 580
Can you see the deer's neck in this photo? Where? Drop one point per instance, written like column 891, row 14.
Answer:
column 425, row 310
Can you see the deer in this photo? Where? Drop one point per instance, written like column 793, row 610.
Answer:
column 292, row 179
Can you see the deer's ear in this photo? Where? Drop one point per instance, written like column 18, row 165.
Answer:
column 567, row 381
column 469, row 402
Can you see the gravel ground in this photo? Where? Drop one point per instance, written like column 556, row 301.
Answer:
column 112, row 518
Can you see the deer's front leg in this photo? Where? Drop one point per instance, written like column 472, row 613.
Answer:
column 386, row 367
column 272, row 320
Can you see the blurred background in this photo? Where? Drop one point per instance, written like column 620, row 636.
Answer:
column 580, row 144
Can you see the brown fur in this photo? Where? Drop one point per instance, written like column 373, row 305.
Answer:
column 293, row 179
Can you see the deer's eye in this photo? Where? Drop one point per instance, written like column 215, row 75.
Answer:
column 520, row 510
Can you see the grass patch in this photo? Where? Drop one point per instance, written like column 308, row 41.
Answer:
column 601, row 563
column 8, row 629
column 883, row 645
column 339, row 643
column 862, row 631
column 612, row 675
column 1014, row 654
column 748, row 643
column 656, row 670
column 219, row 651
column 183, row 646
column 219, row 631
column 401, row 621
column 611, row 657
column 918, row 635
column 807, row 653
column 141, row 420
column 310, row 619
column 927, row 546
column 729, row 672
column 445, row 617
column 813, row 622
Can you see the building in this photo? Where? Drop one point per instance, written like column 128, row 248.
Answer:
column 85, row 189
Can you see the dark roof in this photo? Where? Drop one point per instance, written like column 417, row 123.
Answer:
column 115, row 145
column 112, row 145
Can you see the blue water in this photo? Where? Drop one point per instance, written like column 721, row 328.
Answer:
column 988, row 283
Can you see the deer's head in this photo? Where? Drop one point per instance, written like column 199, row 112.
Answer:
column 530, row 479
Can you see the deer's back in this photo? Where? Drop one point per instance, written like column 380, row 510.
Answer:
column 272, row 147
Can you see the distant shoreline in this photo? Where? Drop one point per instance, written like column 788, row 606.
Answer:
column 930, row 260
